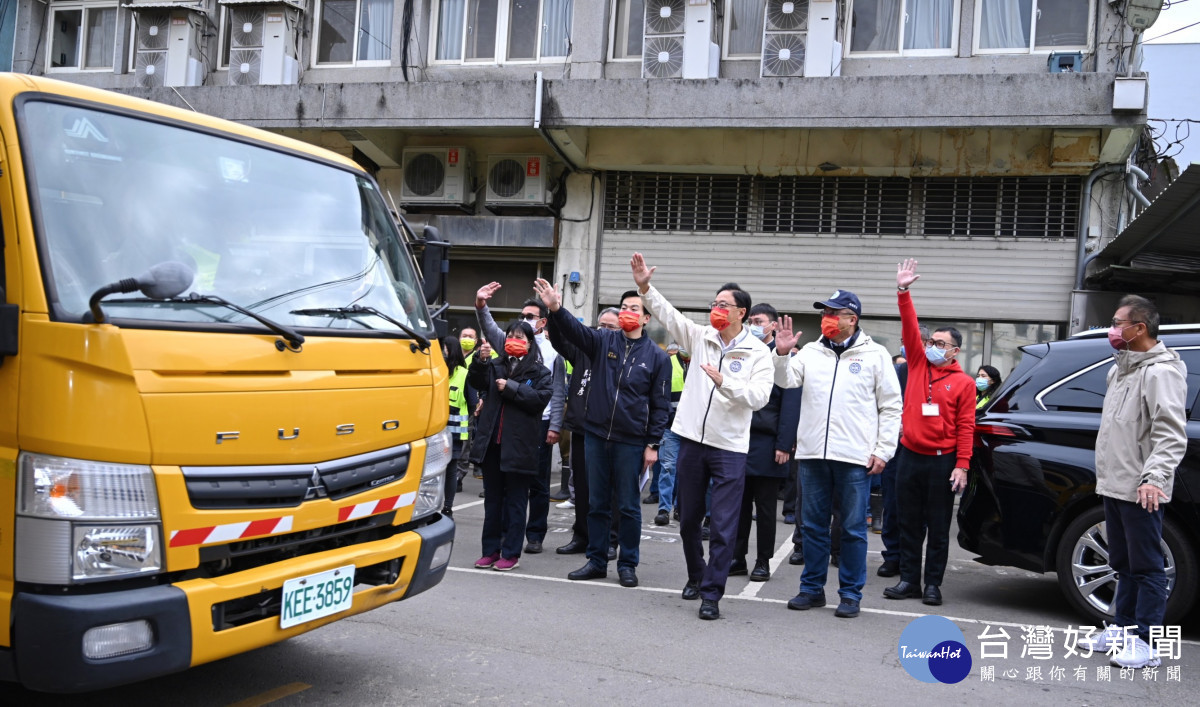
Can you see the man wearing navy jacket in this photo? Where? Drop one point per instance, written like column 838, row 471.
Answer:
column 628, row 399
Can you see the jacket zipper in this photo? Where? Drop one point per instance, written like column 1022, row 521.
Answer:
column 837, row 358
column 704, row 423
column 613, row 417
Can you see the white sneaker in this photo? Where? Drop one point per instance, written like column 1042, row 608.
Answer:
column 1111, row 636
column 1136, row 654
column 565, row 505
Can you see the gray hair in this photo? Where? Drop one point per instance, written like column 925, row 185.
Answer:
column 1142, row 310
column 608, row 310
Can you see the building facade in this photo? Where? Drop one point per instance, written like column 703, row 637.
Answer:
column 792, row 147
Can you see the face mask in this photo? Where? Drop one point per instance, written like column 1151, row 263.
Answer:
column 516, row 347
column 629, row 320
column 1116, row 337
column 757, row 331
column 685, row 355
column 981, row 383
column 829, row 327
column 719, row 318
column 468, row 345
column 935, row 355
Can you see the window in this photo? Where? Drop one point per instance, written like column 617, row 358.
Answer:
column 1023, row 26
column 354, row 32
column 500, row 31
column 82, row 36
column 1082, row 391
column 744, row 28
column 903, row 26
column 628, row 24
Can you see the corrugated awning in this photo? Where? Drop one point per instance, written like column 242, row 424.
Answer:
column 1160, row 249
column 172, row 4
column 298, row 4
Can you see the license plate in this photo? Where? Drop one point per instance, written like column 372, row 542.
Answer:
column 317, row 595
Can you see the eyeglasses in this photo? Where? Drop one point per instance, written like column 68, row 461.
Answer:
column 943, row 345
column 1129, row 322
column 722, row 305
column 530, row 317
column 835, row 313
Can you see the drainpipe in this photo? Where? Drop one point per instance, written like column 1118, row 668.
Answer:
column 1133, row 174
column 1085, row 212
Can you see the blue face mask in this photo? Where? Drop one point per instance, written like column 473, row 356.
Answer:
column 756, row 331
column 981, row 383
column 935, row 355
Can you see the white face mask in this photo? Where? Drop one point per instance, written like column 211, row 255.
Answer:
column 758, row 331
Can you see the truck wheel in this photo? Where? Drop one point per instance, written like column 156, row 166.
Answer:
column 1090, row 584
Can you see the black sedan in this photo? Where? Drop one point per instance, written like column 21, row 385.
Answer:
column 1031, row 500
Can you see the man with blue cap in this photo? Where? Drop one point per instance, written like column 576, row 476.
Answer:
column 849, row 424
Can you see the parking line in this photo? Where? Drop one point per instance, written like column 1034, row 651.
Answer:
column 785, row 549
column 744, row 597
column 468, row 505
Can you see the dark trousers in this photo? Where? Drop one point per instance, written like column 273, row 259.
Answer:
column 505, row 495
column 891, row 512
column 450, row 483
column 760, row 497
column 539, row 491
column 926, row 504
column 697, row 466
column 798, row 530
column 789, row 489
column 579, row 529
column 613, row 470
column 1135, row 553
column 464, row 460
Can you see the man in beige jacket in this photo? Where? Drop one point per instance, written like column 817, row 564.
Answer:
column 1141, row 442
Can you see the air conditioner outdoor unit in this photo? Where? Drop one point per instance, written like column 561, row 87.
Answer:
column 168, row 49
column 262, row 45
column 517, row 179
column 437, row 175
column 785, row 28
column 662, row 44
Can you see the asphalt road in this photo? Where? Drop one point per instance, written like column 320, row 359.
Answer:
column 530, row 636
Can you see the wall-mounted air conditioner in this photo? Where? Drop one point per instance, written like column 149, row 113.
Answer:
column 437, row 175
column 662, row 43
column 517, row 179
column 168, row 51
column 262, row 45
column 785, row 28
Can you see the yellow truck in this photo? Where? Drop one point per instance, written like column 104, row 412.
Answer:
column 224, row 407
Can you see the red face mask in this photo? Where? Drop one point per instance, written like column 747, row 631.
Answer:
column 719, row 318
column 516, row 347
column 829, row 327
column 629, row 320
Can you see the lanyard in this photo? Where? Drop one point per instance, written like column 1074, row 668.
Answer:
column 931, row 380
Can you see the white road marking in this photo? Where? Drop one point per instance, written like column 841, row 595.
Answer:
column 468, row 505
column 829, row 607
column 785, row 550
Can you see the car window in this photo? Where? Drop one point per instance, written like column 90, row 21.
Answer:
column 1082, row 393
column 1191, row 358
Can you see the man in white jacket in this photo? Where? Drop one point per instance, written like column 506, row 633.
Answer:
column 713, row 423
column 1142, row 440
column 849, row 424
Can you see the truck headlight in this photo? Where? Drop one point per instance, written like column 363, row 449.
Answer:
column 432, row 493
column 80, row 520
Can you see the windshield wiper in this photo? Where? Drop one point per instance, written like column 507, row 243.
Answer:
column 356, row 309
column 294, row 339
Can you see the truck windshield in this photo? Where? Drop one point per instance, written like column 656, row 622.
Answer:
column 274, row 232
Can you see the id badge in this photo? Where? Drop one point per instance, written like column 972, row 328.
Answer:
column 929, row 409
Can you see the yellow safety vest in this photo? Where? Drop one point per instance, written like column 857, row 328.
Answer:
column 458, row 403
column 676, row 375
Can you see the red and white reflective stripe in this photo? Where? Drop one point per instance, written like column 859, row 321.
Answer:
column 230, row 531
column 370, row 508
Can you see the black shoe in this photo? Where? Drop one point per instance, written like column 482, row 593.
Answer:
column 709, row 610
column 481, row 494
column 789, row 518
column 628, row 576
column 650, row 498
column 903, row 590
column 560, row 496
column 738, row 568
column 675, row 514
column 797, row 557
column 588, row 571
column 705, row 533
column 448, row 512
column 833, row 559
column 612, row 552
column 691, row 590
column 663, row 518
column 804, row 602
column 574, row 547
column 533, row 547
column 932, row 595
column 889, row 568
column 762, row 571
column 847, row 609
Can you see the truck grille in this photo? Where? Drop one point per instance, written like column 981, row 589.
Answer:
column 289, row 485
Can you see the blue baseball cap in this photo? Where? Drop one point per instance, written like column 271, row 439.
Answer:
column 841, row 299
